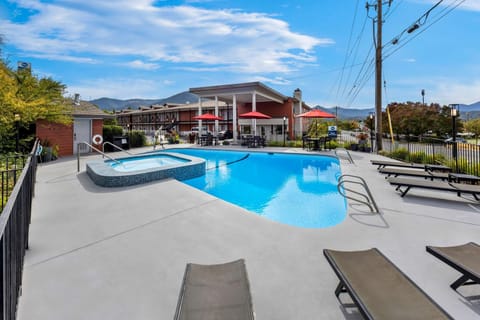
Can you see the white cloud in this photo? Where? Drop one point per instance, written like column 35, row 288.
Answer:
column 138, row 64
column 225, row 39
column 449, row 92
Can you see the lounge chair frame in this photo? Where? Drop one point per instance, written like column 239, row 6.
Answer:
column 346, row 286
column 469, row 276
column 427, row 167
column 395, row 172
column 210, row 282
column 458, row 188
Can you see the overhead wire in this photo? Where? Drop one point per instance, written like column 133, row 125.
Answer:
column 440, row 16
column 361, row 80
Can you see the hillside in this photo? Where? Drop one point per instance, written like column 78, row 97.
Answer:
column 471, row 111
column 116, row 104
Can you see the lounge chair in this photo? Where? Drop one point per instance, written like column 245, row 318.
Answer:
column 464, row 258
column 459, row 188
column 428, row 167
column 219, row 291
column 379, row 289
column 413, row 173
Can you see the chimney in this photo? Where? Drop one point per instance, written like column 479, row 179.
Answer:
column 297, row 94
column 76, row 99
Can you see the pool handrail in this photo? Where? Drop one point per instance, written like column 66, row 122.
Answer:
column 369, row 200
column 115, row 146
column 93, row 148
column 349, row 158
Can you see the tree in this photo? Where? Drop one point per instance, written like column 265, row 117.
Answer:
column 473, row 126
column 24, row 98
column 417, row 119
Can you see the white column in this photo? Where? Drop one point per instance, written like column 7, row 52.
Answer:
column 234, row 116
column 216, row 113
column 199, row 113
column 300, row 110
column 254, row 108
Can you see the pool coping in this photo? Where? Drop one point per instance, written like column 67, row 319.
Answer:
column 105, row 176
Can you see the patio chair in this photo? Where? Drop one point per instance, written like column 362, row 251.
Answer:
column 379, row 289
column 395, row 172
column 463, row 258
column 384, row 163
column 219, row 291
column 459, row 188
column 428, row 167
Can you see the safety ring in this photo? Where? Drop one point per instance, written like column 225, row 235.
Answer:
column 97, row 139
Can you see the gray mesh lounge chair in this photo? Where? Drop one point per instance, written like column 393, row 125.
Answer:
column 464, row 258
column 379, row 289
column 429, row 167
column 459, row 188
column 219, row 291
column 395, row 172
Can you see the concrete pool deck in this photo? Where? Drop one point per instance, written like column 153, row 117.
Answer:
column 120, row 253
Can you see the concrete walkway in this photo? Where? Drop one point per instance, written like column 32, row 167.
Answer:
column 120, row 254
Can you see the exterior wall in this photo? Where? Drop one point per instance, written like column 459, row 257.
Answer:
column 62, row 135
column 57, row 135
column 97, row 128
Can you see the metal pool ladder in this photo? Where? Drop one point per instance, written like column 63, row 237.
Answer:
column 115, row 146
column 348, row 156
column 363, row 196
column 93, row 148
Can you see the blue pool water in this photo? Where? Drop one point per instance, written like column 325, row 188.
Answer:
column 299, row 190
column 145, row 162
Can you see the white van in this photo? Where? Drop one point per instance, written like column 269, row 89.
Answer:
column 204, row 131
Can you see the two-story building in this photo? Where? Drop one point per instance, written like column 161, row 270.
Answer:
column 228, row 102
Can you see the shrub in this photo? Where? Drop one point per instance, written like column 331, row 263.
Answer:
column 137, row 139
column 400, row 154
column 109, row 131
column 418, row 157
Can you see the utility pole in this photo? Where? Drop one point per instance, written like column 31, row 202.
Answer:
column 378, row 78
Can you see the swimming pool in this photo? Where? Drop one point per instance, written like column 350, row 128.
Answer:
column 145, row 168
column 145, row 162
column 295, row 189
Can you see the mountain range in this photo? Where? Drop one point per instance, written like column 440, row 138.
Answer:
column 108, row 104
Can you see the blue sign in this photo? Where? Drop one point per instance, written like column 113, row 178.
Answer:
column 332, row 131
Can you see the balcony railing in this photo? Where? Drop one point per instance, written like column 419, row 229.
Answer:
column 14, row 227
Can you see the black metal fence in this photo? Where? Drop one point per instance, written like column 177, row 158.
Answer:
column 14, row 227
column 10, row 169
column 461, row 157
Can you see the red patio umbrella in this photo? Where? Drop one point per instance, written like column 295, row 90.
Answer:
column 254, row 115
column 316, row 113
column 207, row 117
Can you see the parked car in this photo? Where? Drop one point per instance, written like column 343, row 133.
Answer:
column 457, row 139
column 204, row 131
column 225, row 134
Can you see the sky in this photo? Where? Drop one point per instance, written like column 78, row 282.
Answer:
column 154, row 49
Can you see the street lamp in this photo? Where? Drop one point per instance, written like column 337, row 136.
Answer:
column 454, row 113
column 283, row 129
column 372, row 130
column 17, row 127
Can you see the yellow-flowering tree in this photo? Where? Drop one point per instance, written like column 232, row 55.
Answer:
column 24, row 98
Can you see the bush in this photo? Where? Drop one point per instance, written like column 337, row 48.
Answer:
column 418, row 157
column 399, row 154
column 137, row 139
column 109, row 131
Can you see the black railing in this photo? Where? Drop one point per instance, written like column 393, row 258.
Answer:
column 14, row 227
column 10, row 169
column 461, row 157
